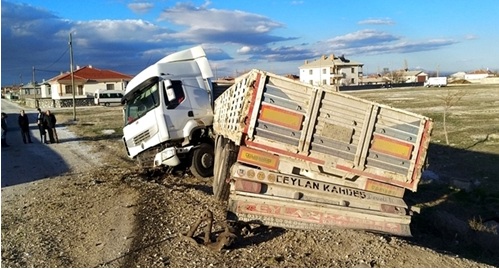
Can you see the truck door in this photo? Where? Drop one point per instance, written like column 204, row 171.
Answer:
column 198, row 97
column 178, row 108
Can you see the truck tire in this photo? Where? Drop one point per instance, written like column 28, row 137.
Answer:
column 219, row 146
column 202, row 161
column 221, row 187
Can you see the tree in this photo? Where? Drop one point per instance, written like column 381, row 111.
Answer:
column 450, row 99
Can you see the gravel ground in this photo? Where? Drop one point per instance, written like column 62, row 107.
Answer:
column 103, row 211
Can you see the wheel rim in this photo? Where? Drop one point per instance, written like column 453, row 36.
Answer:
column 207, row 160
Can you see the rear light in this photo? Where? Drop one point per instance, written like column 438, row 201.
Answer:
column 248, row 186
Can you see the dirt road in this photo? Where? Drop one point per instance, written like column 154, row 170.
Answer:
column 37, row 176
column 88, row 207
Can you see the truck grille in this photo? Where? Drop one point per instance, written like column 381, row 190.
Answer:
column 141, row 137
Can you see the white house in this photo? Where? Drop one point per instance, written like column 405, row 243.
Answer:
column 477, row 75
column 331, row 71
column 413, row 76
column 86, row 80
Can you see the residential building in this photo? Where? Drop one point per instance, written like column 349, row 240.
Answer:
column 86, row 80
column 408, row 76
column 331, row 70
column 477, row 75
column 29, row 89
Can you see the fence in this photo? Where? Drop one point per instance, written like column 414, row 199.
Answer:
column 60, row 103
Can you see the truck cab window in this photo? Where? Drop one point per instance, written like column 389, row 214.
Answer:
column 179, row 95
column 144, row 101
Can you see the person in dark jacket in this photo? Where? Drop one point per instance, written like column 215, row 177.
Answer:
column 4, row 130
column 24, row 125
column 51, row 122
column 41, row 126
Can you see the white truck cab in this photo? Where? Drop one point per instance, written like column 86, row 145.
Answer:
column 168, row 112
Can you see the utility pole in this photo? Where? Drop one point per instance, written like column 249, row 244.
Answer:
column 72, row 75
column 34, row 85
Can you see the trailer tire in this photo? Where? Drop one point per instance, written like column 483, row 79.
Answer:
column 219, row 146
column 202, row 161
column 221, row 187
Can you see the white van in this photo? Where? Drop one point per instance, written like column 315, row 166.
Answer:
column 107, row 97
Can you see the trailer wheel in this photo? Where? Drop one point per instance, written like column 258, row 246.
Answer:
column 219, row 145
column 202, row 161
column 227, row 158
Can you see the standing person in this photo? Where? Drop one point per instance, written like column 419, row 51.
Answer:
column 24, row 125
column 51, row 122
column 41, row 126
column 4, row 130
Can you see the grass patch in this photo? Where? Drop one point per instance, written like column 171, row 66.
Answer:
column 94, row 122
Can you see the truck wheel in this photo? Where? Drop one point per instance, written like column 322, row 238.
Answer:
column 228, row 157
column 219, row 146
column 202, row 161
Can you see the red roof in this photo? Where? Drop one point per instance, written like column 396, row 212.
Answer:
column 91, row 73
column 480, row 71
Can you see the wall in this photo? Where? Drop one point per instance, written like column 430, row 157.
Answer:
column 50, row 103
column 490, row 80
column 90, row 88
column 379, row 86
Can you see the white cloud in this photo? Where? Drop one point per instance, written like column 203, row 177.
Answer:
column 470, row 37
column 218, row 26
column 371, row 42
column 141, row 8
column 385, row 21
column 244, row 50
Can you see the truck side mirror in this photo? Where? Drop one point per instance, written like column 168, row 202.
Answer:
column 169, row 90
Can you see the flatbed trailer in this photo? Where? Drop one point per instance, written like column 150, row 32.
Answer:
column 295, row 155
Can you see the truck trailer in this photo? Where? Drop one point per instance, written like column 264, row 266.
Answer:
column 436, row 82
column 293, row 155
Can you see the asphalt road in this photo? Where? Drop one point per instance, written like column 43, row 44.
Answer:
column 23, row 163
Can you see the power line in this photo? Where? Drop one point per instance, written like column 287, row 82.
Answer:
column 48, row 71
column 60, row 57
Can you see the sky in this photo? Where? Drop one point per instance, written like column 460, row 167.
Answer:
column 238, row 35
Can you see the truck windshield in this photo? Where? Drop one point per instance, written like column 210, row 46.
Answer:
column 142, row 102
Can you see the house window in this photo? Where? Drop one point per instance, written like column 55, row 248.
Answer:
column 353, row 70
column 324, row 71
column 311, row 82
column 353, row 81
column 109, row 86
column 80, row 89
column 324, row 82
column 311, row 71
column 68, row 89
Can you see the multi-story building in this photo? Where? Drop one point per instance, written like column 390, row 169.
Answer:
column 331, row 70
